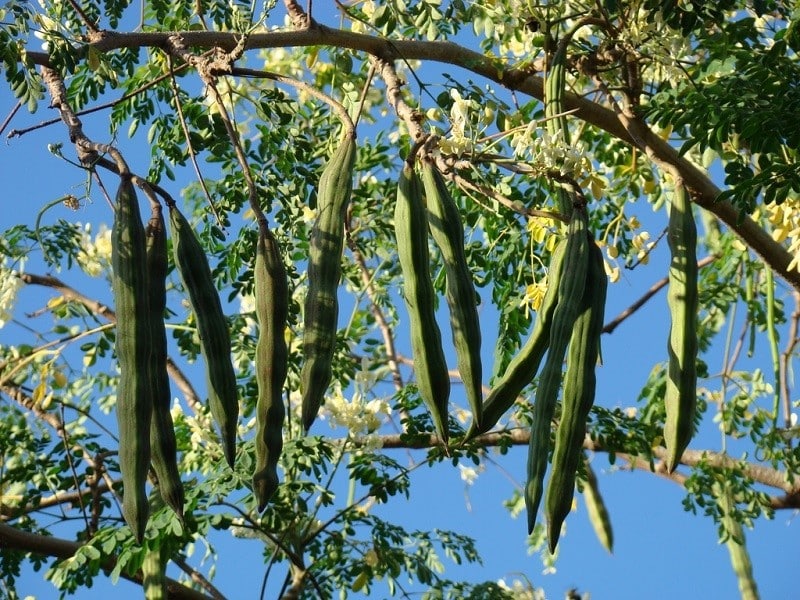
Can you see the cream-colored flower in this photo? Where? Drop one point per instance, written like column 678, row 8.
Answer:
column 94, row 258
column 10, row 284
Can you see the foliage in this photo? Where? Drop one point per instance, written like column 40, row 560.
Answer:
column 659, row 93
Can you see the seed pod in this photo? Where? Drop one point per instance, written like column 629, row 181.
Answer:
column 162, row 434
column 596, row 507
column 570, row 297
column 154, row 574
column 411, row 231
column 680, row 398
column 555, row 119
column 272, row 309
column 215, row 337
column 523, row 367
column 324, row 270
column 448, row 233
column 578, row 396
column 134, row 351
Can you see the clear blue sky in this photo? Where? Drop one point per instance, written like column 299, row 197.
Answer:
column 660, row 551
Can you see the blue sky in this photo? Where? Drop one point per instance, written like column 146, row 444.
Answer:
column 660, row 550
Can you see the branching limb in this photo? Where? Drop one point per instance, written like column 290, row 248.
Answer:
column 520, row 437
column 98, row 308
column 24, row 541
column 197, row 577
column 652, row 291
column 704, row 191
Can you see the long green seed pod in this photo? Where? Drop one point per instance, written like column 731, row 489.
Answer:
column 570, row 295
column 448, row 234
column 555, row 82
column 736, row 543
column 680, row 398
column 411, row 231
column 272, row 310
column 596, row 508
column 215, row 338
column 523, row 367
column 578, row 395
column 324, row 270
column 134, row 348
column 162, row 433
column 154, row 575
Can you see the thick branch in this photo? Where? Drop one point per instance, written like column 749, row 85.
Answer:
column 12, row 538
column 704, row 192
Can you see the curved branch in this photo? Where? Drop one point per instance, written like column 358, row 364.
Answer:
column 98, row 308
column 652, row 291
column 12, row 538
column 704, row 192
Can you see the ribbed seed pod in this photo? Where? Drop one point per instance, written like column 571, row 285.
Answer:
column 523, row 367
column 215, row 338
column 596, row 507
column 411, row 232
column 680, row 398
column 324, row 270
column 578, row 395
column 134, row 352
column 163, row 446
column 272, row 310
column 570, row 295
column 448, row 233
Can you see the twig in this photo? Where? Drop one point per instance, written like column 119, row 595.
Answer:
column 386, row 329
column 189, row 147
column 9, row 117
column 197, row 577
column 337, row 107
column 786, row 361
column 90, row 25
column 510, row 204
column 70, row 462
column 94, row 109
column 100, row 487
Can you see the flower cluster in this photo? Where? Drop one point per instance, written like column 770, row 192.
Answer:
column 457, row 141
column 362, row 419
column 785, row 221
column 9, row 285
column 95, row 255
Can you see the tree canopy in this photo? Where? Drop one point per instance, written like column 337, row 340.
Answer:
column 604, row 135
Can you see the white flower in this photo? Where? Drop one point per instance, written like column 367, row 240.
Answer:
column 362, row 419
column 9, row 285
column 95, row 255
column 468, row 474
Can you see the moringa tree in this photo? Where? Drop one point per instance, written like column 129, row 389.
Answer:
column 538, row 119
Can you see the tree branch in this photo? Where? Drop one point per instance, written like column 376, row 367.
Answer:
column 652, row 291
column 12, row 538
column 691, row 458
column 704, row 192
column 98, row 308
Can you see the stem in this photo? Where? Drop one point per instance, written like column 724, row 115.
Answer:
column 772, row 336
